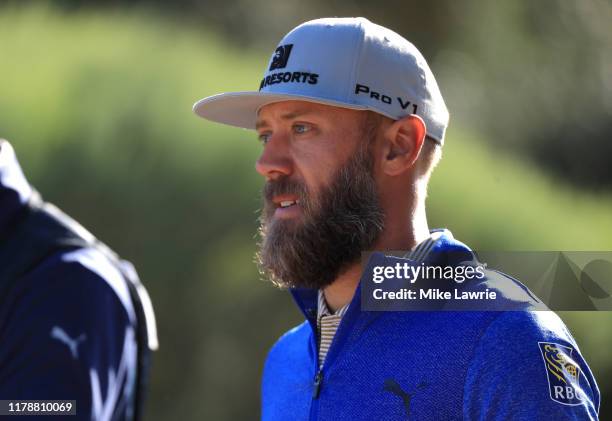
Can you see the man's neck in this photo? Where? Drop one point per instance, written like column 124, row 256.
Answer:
column 341, row 291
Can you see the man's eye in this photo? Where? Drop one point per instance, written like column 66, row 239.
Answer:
column 264, row 138
column 301, row 128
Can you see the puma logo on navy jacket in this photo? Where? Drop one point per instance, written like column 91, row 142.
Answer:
column 431, row 365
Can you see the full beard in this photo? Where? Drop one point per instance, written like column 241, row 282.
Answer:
column 345, row 220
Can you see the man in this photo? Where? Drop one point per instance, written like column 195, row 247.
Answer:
column 75, row 322
column 352, row 124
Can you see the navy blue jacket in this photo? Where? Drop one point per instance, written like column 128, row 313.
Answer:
column 67, row 328
column 432, row 365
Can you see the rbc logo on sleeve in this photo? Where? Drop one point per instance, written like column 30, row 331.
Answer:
column 281, row 56
column 563, row 373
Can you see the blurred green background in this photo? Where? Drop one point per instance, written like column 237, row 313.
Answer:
column 96, row 99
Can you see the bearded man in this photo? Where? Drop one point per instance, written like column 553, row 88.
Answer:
column 352, row 124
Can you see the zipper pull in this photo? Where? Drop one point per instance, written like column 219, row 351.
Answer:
column 317, row 384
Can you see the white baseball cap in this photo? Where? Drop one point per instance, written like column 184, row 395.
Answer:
column 344, row 62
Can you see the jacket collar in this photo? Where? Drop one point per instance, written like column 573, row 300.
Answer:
column 14, row 188
column 445, row 250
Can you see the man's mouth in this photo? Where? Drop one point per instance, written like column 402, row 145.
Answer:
column 288, row 203
column 286, row 206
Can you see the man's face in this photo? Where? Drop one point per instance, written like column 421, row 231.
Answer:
column 320, row 201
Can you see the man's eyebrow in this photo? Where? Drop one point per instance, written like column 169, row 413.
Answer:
column 288, row 116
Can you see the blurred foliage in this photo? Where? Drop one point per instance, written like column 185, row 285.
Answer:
column 545, row 66
column 98, row 108
column 537, row 76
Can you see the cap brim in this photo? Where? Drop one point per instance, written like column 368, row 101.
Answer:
column 240, row 108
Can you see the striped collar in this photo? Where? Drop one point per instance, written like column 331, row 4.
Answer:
column 418, row 254
column 323, row 309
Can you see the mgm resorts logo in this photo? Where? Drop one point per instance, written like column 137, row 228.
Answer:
column 279, row 61
column 281, row 57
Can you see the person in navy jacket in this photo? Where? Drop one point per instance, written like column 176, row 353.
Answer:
column 352, row 124
column 69, row 325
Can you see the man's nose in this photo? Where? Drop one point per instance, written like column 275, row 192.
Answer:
column 275, row 160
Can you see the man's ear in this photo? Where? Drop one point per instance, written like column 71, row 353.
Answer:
column 403, row 140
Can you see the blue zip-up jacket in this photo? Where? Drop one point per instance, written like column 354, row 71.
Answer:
column 432, row 365
column 67, row 327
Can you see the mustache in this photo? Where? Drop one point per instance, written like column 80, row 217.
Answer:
column 282, row 186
